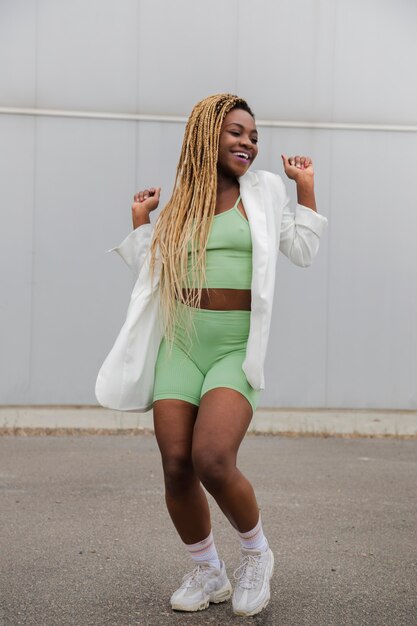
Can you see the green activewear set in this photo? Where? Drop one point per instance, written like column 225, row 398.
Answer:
column 213, row 355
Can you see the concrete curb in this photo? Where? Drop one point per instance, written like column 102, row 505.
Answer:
column 345, row 422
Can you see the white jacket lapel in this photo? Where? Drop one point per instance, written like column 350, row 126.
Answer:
column 253, row 202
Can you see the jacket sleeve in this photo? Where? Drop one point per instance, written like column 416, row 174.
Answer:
column 300, row 232
column 135, row 247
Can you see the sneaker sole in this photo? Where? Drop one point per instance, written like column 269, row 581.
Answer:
column 265, row 602
column 222, row 594
column 216, row 597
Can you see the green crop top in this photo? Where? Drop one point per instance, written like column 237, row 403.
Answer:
column 228, row 252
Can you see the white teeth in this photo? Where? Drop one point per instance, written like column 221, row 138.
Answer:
column 242, row 154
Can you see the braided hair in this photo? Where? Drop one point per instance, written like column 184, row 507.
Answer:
column 184, row 223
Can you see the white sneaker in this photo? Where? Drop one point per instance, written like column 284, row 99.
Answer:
column 252, row 592
column 203, row 585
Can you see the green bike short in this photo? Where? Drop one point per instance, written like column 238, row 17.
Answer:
column 212, row 357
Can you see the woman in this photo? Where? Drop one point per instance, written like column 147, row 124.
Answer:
column 197, row 330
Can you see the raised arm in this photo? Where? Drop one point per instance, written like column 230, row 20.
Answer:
column 300, row 169
column 143, row 203
column 135, row 246
column 300, row 232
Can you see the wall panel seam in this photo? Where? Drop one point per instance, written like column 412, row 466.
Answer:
column 175, row 119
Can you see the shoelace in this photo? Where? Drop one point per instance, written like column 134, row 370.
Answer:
column 193, row 578
column 247, row 574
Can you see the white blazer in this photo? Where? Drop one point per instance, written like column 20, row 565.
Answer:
column 126, row 378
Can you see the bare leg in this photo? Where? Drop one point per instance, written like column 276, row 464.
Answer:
column 186, row 501
column 223, row 418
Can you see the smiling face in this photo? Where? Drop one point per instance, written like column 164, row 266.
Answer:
column 238, row 144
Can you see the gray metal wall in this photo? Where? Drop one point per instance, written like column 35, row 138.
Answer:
column 345, row 330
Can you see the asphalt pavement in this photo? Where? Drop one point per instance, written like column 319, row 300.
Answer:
column 85, row 539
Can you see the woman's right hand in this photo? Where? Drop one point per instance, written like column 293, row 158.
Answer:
column 143, row 203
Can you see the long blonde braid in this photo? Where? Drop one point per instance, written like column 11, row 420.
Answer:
column 184, row 223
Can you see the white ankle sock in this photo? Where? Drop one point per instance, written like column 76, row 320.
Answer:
column 254, row 539
column 204, row 551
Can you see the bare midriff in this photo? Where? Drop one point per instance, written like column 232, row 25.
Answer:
column 221, row 299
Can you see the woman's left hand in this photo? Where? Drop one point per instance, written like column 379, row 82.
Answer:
column 298, row 168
